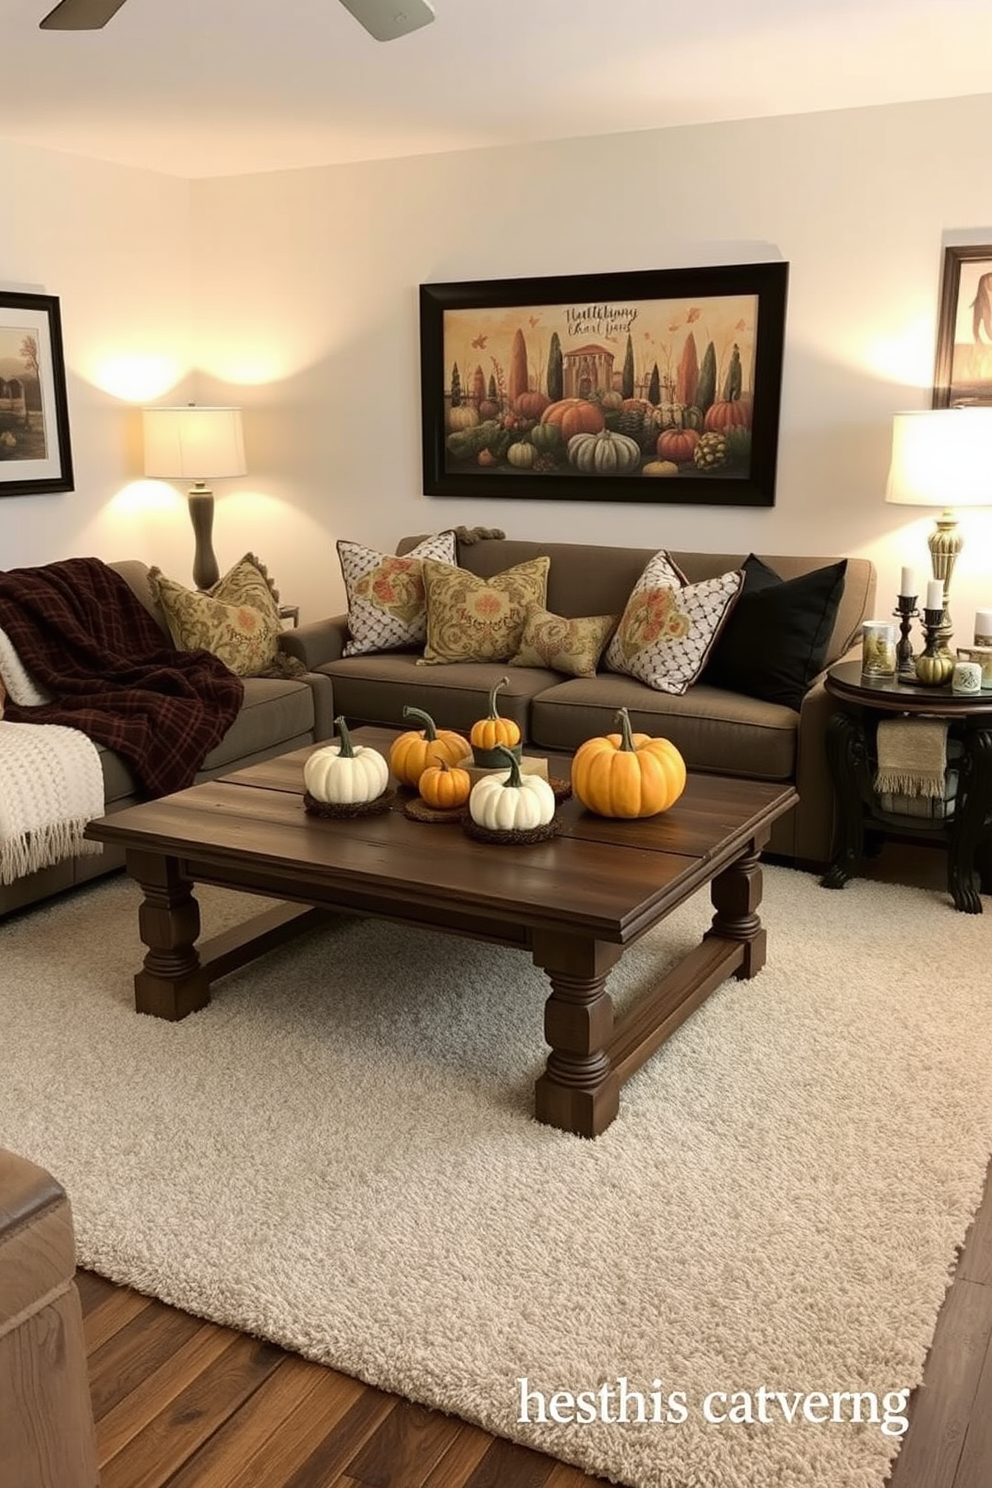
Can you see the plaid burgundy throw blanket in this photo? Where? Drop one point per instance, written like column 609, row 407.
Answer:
column 85, row 637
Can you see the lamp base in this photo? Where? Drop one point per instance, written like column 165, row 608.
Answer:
column 945, row 543
column 201, row 512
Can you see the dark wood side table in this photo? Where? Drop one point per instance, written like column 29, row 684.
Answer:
column 966, row 830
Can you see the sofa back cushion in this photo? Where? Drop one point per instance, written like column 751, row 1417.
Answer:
column 585, row 579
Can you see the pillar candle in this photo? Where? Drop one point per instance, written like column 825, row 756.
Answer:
column 983, row 625
column 935, row 594
column 907, row 584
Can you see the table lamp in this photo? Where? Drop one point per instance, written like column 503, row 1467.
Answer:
column 942, row 457
column 199, row 444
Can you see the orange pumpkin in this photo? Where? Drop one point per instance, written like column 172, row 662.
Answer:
column 444, row 786
column 574, row 416
column 413, row 751
column 493, row 730
column 627, row 774
column 677, row 445
column 531, row 404
column 734, row 413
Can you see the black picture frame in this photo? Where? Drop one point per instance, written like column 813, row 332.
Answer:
column 963, row 368
column 35, row 449
column 645, row 321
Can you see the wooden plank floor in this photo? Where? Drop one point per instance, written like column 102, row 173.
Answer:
column 188, row 1404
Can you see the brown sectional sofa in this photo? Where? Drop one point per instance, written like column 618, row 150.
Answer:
column 717, row 730
column 277, row 714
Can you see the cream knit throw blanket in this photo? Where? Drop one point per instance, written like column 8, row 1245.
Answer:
column 51, row 783
column 912, row 757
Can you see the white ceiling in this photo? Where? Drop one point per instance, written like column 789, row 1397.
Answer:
column 219, row 87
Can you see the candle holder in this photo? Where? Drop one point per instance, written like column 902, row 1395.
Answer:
column 906, row 613
column 934, row 665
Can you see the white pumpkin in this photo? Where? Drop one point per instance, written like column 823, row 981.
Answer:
column 508, row 801
column 345, row 774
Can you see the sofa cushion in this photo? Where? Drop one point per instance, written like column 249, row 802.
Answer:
column 476, row 619
column 570, row 646
column 237, row 619
column 775, row 642
column 668, row 629
column 387, row 607
column 375, row 689
column 723, row 733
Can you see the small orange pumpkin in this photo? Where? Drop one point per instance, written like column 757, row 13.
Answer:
column 493, row 730
column 413, row 751
column 444, row 786
column 627, row 774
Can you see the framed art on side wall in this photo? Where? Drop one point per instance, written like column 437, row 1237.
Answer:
column 648, row 386
column 963, row 372
column 35, row 454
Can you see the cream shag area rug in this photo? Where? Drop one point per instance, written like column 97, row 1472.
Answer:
column 339, row 1155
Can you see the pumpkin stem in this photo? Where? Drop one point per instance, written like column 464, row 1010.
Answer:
column 347, row 750
column 513, row 778
column 623, row 719
column 430, row 728
column 492, row 696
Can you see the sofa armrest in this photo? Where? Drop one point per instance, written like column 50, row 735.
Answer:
column 318, row 642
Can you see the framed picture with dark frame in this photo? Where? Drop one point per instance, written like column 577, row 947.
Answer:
column 647, row 386
column 35, row 452
column 963, row 371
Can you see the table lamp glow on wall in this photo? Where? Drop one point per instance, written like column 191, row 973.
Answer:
column 942, row 457
column 198, row 444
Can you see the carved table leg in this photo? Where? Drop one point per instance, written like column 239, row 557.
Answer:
column 172, row 983
column 968, row 844
column 847, row 755
column 735, row 896
column 579, row 1091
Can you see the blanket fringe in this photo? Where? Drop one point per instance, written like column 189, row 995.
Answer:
column 43, row 847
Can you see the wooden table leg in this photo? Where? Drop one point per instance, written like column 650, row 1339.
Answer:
column 579, row 1091
column 735, row 895
column 847, row 756
column 173, row 982
column 967, row 848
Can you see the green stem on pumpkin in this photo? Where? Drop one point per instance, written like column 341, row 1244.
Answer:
column 430, row 727
column 514, row 776
column 626, row 740
column 347, row 750
column 492, row 696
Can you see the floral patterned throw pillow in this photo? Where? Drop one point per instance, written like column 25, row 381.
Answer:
column 570, row 646
column 668, row 629
column 237, row 620
column 473, row 619
column 386, row 600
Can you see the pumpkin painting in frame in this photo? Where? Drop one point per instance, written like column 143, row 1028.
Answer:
column 648, row 386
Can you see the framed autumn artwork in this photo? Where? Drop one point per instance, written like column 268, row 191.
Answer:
column 648, row 386
column 963, row 372
column 35, row 455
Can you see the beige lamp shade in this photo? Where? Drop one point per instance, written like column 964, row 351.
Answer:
column 196, row 443
column 941, row 457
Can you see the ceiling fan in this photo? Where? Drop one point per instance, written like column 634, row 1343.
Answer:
column 383, row 19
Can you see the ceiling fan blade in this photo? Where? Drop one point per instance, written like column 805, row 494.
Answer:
column 80, row 15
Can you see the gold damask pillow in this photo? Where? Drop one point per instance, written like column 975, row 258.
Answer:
column 571, row 646
column 238, row 619
column 473, row 619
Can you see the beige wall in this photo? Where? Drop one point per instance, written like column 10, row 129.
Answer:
column 304, row 295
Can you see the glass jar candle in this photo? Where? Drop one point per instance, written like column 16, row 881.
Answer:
column 878, row 648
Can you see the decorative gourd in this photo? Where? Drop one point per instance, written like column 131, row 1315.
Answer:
column 934, row 669
column 546, row 438
column 522, row 454
column 492, row 730
column 660, row 467
column 463, row 416
column 444, row 786
column 627, row 774
column 413, row 751
column 604, row 453
column 510, row 801
column 574, row 416
column 531, row 404
column 734, row 413
column 345, row 774
column 677, row 445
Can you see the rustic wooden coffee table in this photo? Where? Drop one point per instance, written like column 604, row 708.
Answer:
column 573, row 902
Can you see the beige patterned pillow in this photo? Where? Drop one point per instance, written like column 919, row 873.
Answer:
column 668, row 629
column 473, row 619
column 572, row 646
column 238, row 619
column 386, row 601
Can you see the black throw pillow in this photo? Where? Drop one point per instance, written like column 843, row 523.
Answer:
column 775, row 641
